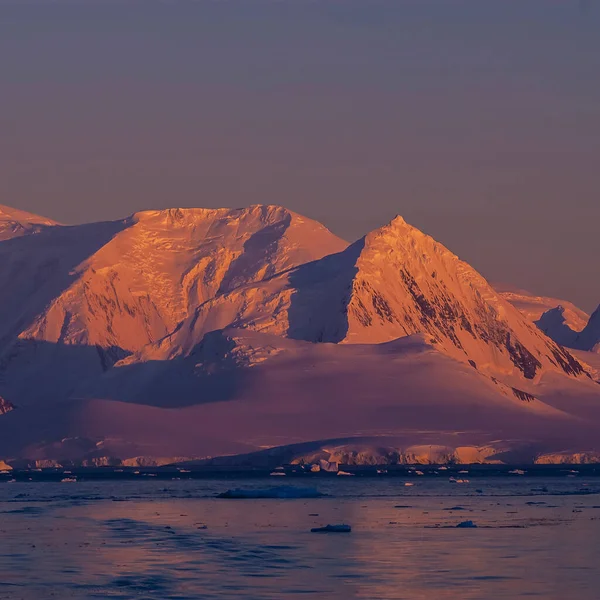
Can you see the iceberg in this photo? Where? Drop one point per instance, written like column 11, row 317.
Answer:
column 332, row 529
column 278, row 492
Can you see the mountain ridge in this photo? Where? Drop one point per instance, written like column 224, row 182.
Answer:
column 218, row 331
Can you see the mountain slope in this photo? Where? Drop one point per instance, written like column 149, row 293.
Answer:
column 393, row 283
column 242, row 391
column 16, row 223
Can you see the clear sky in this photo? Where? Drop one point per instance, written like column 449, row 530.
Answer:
column 477, row 120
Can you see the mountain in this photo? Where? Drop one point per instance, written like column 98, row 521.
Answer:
column 198, row 332
column 560, row 320
column 555, row 324
column 589, row 338
column 533, row 307
column 394, row 282
column 108, row 289
column 16, row 223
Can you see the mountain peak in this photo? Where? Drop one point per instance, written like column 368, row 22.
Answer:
column 400, row 234
column 7, row 213
column 589, row 338
column 16, row 223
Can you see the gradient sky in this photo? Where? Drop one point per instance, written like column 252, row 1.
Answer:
column 477, row 120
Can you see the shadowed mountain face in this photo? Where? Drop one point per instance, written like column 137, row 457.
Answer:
column 555, row 325
column 182, row 316
column 589, row 338
column 560, row 320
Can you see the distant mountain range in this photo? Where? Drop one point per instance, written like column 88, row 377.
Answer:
column 558, row 319
column 259, row 335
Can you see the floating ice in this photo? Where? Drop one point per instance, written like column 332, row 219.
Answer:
column 466, row 525
column 332, row 529
column 280, row 492
column 328, row 466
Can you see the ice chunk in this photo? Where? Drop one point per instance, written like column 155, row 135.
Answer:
column 332, row 529
column 281, row 492
column 466, row 525
column 329, row 467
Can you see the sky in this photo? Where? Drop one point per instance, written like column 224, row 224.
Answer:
column 476, row 120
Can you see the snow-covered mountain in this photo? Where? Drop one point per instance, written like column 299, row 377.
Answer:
column 557, row 325
column 560, row 320
column 393, row 283
column 533, row 307
column 193, row 332
column 589, row 338
column 87, row 296
column 15, row 223
column 241, row 391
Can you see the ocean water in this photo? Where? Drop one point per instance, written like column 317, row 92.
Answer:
column 174, row 539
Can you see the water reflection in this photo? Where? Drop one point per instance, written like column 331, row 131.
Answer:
column 174, row 547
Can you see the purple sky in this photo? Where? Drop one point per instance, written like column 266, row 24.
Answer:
column 478, row 120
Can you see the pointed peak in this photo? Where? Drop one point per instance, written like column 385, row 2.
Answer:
column 400, row 225
column 398, row 220
column 398, row 233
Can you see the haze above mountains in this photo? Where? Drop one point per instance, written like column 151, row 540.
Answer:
column 198, row 333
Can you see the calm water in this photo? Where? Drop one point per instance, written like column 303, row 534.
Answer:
column 175, row 540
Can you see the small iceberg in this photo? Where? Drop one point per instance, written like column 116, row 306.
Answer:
column 278, row 492
column 467, row 525
column 328, row 466
column 277, row 474
column 332, row 529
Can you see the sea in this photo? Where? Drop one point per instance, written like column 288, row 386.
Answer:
column 432, row 533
